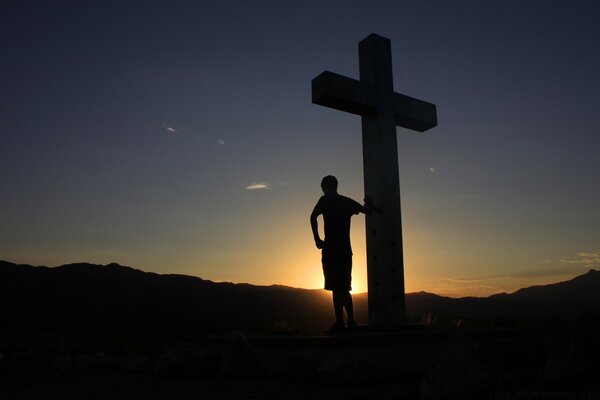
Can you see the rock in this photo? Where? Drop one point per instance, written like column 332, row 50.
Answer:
column 45, row 341
column 349, row 371
column 25, row 360
column 562, row 368
column 101, row 360
column 462, row 347
column 458, row 374
column 454, row 379
column 51, row 346
column 511, row 353
column 64, row 363
column 67, row 362
column 560, row 372
column 296, row 368
column 402, row 368
column 187, row 363
column 519, row 379
column 134, row 363
column 585, row 350
column 239, row 359
column 82, row 360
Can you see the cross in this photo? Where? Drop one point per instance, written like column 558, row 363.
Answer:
column 381, row 110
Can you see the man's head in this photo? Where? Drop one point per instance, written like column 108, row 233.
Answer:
column 329, row 184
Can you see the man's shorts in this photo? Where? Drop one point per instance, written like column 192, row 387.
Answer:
column 337, row 269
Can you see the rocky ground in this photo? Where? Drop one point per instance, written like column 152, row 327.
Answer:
column 562, row 362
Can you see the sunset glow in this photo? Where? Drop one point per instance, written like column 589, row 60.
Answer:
column 180, row 137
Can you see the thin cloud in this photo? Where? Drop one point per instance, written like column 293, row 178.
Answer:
column 536, row 273
column 473, row 280
column 258, row 186
column 221, row 141
column 584, row 258
column 462, row 290
column 589, row 254
column 432, row 170
column 586, row 261
column 541, row 273
column 170, row 129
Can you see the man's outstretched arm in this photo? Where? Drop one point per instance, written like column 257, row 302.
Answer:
column 315, row 228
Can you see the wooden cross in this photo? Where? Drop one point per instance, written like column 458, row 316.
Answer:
column 381, row 110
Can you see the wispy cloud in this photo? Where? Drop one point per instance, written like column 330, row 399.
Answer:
column 534, row 273
column 473, row 280
column 589, row 254
column 258, row 186
column 432, row 170
column 455, row 289
column 544, row 273
column 553, row 271
column 584, row 258
column 170, row 128
column 221, row 141
column 581, row 261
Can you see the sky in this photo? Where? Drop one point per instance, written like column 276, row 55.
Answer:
column 180, row 137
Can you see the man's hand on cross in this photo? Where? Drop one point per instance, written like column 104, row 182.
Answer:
column 370, row 207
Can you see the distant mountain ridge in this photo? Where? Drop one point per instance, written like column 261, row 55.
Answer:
column 88, row 298
column 568, row 299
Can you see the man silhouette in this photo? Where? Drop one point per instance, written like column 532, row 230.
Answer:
column 337, row 210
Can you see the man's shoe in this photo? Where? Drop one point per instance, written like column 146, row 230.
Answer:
column 337, row 327
column 351, row 326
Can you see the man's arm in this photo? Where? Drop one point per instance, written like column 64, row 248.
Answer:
column 315, row 227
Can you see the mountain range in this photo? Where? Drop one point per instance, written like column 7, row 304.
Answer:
column 114, row 299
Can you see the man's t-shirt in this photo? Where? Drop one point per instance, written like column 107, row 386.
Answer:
column 337, row 211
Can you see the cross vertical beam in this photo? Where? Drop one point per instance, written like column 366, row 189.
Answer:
column 385, row 266
column 381, row 110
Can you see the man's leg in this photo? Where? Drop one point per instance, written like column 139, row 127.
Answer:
column 339, row 301
column 349, row 306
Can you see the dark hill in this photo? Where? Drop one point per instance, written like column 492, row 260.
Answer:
column 113, row 299
column 573, row 298
column 86, row 298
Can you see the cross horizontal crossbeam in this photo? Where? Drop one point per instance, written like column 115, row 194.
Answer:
column 350, row 95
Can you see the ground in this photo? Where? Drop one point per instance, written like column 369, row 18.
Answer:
column 515, row 363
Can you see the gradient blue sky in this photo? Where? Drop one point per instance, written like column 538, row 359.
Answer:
column 133, row 131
